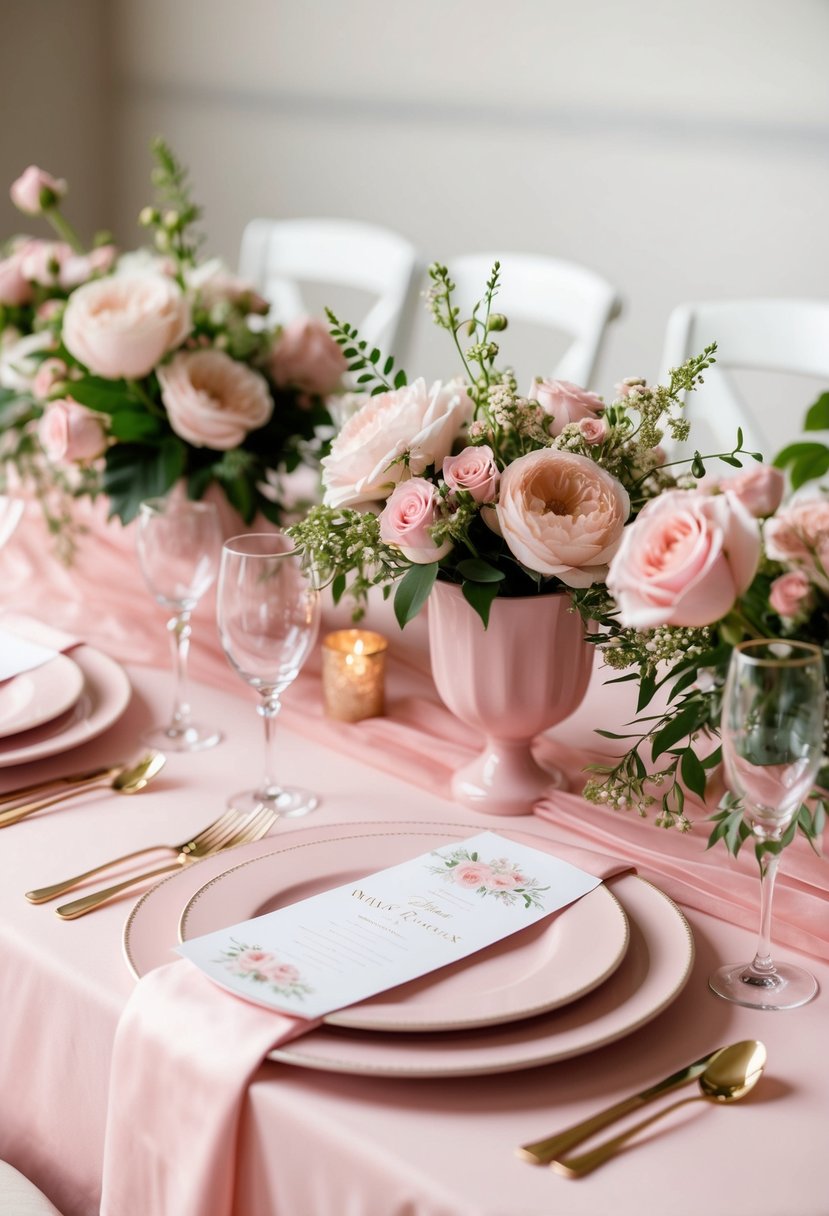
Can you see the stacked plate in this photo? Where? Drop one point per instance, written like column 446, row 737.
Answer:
column 586, row 976
column 60, row 704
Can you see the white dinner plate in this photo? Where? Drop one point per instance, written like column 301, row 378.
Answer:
column 653, row 972
column 39, row 695
column 545, row 966
column 105, row 696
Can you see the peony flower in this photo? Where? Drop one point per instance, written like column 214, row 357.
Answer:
column 15, row 288
column 124, row 325
column 791, row 595
column 562, row 515
column 685, row 560
column 211, row 400
column 760, row 489
column 364, row 464
column 36, row 191
column 564, row 402
column 472, row 874
column 799, row 536
column 70, row 432
column 412, row 509
column 17, row 366
column 474, row 470
column 307, row 357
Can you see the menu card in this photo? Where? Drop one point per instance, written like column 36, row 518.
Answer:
column 350, row 943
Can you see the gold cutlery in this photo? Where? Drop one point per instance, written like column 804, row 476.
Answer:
column 103, row 773
column 213, row 834
column 254, row 827
column 731, row 1074
column 542, row 1152
column 125, row 781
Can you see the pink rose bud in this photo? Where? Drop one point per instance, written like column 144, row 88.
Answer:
column 35, row 191
column 15, row 289
column 307, row 357
column 50, row 373
column 791, row 594
column 594, row 430
column 564, row 402
column 759, row 488
column 412, row 509
column 474, row 470
column 70, row 432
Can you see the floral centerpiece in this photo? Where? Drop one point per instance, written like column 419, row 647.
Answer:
column 505, row 495
column 124, row 375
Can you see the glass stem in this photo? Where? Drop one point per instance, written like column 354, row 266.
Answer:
column 268, row 709
column 179, row 630
column 762, row 964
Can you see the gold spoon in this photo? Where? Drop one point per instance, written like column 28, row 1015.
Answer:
column 128, row 780
column 732, row 1073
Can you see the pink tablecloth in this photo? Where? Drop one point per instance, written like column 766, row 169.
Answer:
column 330, row 1145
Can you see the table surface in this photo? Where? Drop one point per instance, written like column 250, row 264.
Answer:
column 316, row 1143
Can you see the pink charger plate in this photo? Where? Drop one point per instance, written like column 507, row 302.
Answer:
column 39, row 695
column 652, row 974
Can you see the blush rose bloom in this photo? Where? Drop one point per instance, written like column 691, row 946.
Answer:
column 759, row 488
column 594, row 430
column 799, row 536
column 123, row 325
column 43, row 261
column 50, row 373
column 363, row 466
column 562, row 515
column 791, row 595
column 211, row 400
column 474, row 470
column 70, row 432
column 410, row 512
column 564, row 402
column 15, row 288
column 472, row 874
column 685, row 560
column 307, row 357
column 36, row 191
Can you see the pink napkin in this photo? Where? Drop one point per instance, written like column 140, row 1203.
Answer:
column 185, row 1051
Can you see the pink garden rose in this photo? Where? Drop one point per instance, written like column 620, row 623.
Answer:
column 472, row 874
column 562, row 515
column 685, row 560
column 474, row 470
column 791, row 594
column 211, row 400
column 15, row 288
column 36, row 191
column 594, row 430
column 759, row 488
column 307, row 357
column 564, row 402
column 50, row 373
column 70, row 432
column 799, row 536
column 410, row 512
column 123, row 325
column 364, row 464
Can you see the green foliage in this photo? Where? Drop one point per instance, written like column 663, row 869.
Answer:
column 372, row 377
column 134, row 472
column 413, row 591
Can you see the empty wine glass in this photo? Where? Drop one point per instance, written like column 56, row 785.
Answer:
column 179, row 545
column 268, row 614
column 772, row 737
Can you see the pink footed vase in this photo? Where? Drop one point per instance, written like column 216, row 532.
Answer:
column 526, row 672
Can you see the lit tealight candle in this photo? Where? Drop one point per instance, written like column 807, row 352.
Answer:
column 353, row 674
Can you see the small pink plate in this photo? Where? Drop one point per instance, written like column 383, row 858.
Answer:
column 105, row 696
column 549, row 964
column 39, row 695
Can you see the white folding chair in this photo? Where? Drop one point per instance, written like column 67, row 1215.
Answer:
column 547, row 291
column 279, row 255
column 773, row 335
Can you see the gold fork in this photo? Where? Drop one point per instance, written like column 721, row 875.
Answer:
column 254, row 827
column 213, row 834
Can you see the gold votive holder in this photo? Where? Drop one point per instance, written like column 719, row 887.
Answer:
column 354, row 674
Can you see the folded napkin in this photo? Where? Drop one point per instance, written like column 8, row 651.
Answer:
column 185, row 1051
column 26, row 644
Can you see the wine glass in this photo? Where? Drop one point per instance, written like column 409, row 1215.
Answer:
column 268, row 615
column 772, row 737
column 179, row 545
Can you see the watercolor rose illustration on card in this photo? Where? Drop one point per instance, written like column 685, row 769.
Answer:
column 264, row 968
column 500, row 878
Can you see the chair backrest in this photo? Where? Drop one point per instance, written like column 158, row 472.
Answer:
column 774, row 335
column 547, row 291
column 278, row 255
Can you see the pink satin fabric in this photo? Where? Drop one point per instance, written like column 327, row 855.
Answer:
column 171, row 1145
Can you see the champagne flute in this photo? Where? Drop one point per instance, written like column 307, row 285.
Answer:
column 772, row 737
column 179, row 544
column 268, row 616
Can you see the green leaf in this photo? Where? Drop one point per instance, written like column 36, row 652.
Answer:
column 413, row 591
column 733, row 461
column 388, row 365
column 697, row 466
column 479, row 571
column 106, row 396
column 692, row 772
column 647, row 688
column 338, row 588
column 712, row 760
column 480, row 596
column 133, row 472
column 132, row 427
column 400, row 379
column 678, row 728
column 817, row 418
column 794, row 452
